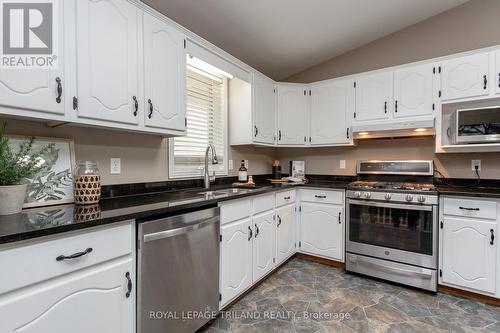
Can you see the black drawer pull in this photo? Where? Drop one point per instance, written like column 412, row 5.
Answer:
column 74, row 255
column 129, row 285
column 320, row 196
column 287, row 198
column 492, row 237
column 467, row 208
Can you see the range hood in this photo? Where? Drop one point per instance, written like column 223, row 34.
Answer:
column 394, row 128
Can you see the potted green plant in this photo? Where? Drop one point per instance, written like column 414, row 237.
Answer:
column 15, row 166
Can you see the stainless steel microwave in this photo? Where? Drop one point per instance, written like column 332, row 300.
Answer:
column 479, row 125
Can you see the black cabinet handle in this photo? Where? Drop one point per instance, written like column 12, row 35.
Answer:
column 250, row 233
column 279, row 135
column 256, row 230
column 498, row 80
column 279, row 221
column 320, row 196
column 136, row 105
column 287, row 198
column 467, row 208
column 347, row 132
column 492, row 237
column 59, row 90
column 74, row 255
column 340, row 217
column 256, row 131
column 150, row 108
column 485, row 82
column 129, row 285
column 396, row 106
column 385, row 107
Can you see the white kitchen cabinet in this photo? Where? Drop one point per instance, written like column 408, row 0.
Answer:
column 37, row 89
column 164, row 75
column 236, row 259
column 94, row 300
column 469, row 253
column 332, row 107
column 292, row 114
column 263, row 244
column 107, row 60
column 465, row 77
column 373, row 97
column 264, row 110
column 321, row 230
column 285, row 232
column 414, row 91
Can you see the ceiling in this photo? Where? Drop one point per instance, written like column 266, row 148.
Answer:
column 283, row 37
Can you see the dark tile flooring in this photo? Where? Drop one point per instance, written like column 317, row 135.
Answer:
column 304, row 296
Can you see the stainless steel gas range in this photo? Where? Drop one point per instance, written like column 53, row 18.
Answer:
column 392, row 217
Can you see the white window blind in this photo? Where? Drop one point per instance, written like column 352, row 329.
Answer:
column 206, row 123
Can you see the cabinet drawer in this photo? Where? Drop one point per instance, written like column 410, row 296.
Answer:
column 235, row 210
column 482, row 209
column 263, row 203
column 37, row 262
column 324, row 196
column 285, row 197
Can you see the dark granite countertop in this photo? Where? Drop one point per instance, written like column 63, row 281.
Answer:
column 479, row 191
column 38, row 222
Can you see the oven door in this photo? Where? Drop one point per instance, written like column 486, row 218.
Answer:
column 403, row 233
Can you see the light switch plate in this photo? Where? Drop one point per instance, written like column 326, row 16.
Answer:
column 342, row 164
column 115, row 166
column 474, row 163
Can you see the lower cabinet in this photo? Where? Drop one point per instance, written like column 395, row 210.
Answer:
column 285, row 232
column 236, row 259
column 469, row 253
column 263, row 244
column 321, row 230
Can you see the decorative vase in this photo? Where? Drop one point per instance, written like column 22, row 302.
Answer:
column 87, row 183
column 12, row 199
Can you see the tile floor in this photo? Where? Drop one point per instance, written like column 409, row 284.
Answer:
column 304, row 296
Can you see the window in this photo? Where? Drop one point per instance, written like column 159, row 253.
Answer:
column 206, row 103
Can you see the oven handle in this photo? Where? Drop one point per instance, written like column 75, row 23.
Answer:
column 390, row 205
column 395, row 270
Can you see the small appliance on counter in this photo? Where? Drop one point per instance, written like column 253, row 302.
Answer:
column 276, row 170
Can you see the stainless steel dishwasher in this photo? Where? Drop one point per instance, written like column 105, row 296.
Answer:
column 178, row 272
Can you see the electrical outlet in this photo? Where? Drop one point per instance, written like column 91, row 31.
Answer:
column 342, row 164
column 246, row 164
column 115, row 166
column 475, row 163
column 231, row 166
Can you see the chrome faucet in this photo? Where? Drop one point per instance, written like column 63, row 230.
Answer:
column 209, row 179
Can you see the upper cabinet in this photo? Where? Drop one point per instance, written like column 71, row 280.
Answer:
column 164, row 75
column 414, row 91
column 292, row 114
column 41, row 90
column 264, row 110
column 373, row 97
column 107, row 60
column 465, row 77
column 332, row 106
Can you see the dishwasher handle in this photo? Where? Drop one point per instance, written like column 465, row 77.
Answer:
column 199, row 224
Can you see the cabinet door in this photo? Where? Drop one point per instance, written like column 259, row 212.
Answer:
column 263, row 244
column 285, row 235
column 465, row 77
column 236, row 259
column 36, row 89
column 469, row 258
column 93, row 300
column 331, row 105
column 107, row 62
column 413, row 91
column 321, row 230
column 292, row 115
column 496, row 79
column 264, row 110
column 164, row 75
column 373, row 97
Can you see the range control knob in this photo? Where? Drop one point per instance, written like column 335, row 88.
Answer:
column 421, row 198
column 388, row 196
column 357, row 194
column 409, row 197
column 368, row 195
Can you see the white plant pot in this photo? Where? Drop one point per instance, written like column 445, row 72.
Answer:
column 12, row 199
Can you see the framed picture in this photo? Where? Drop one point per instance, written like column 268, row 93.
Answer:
column 53, row 185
